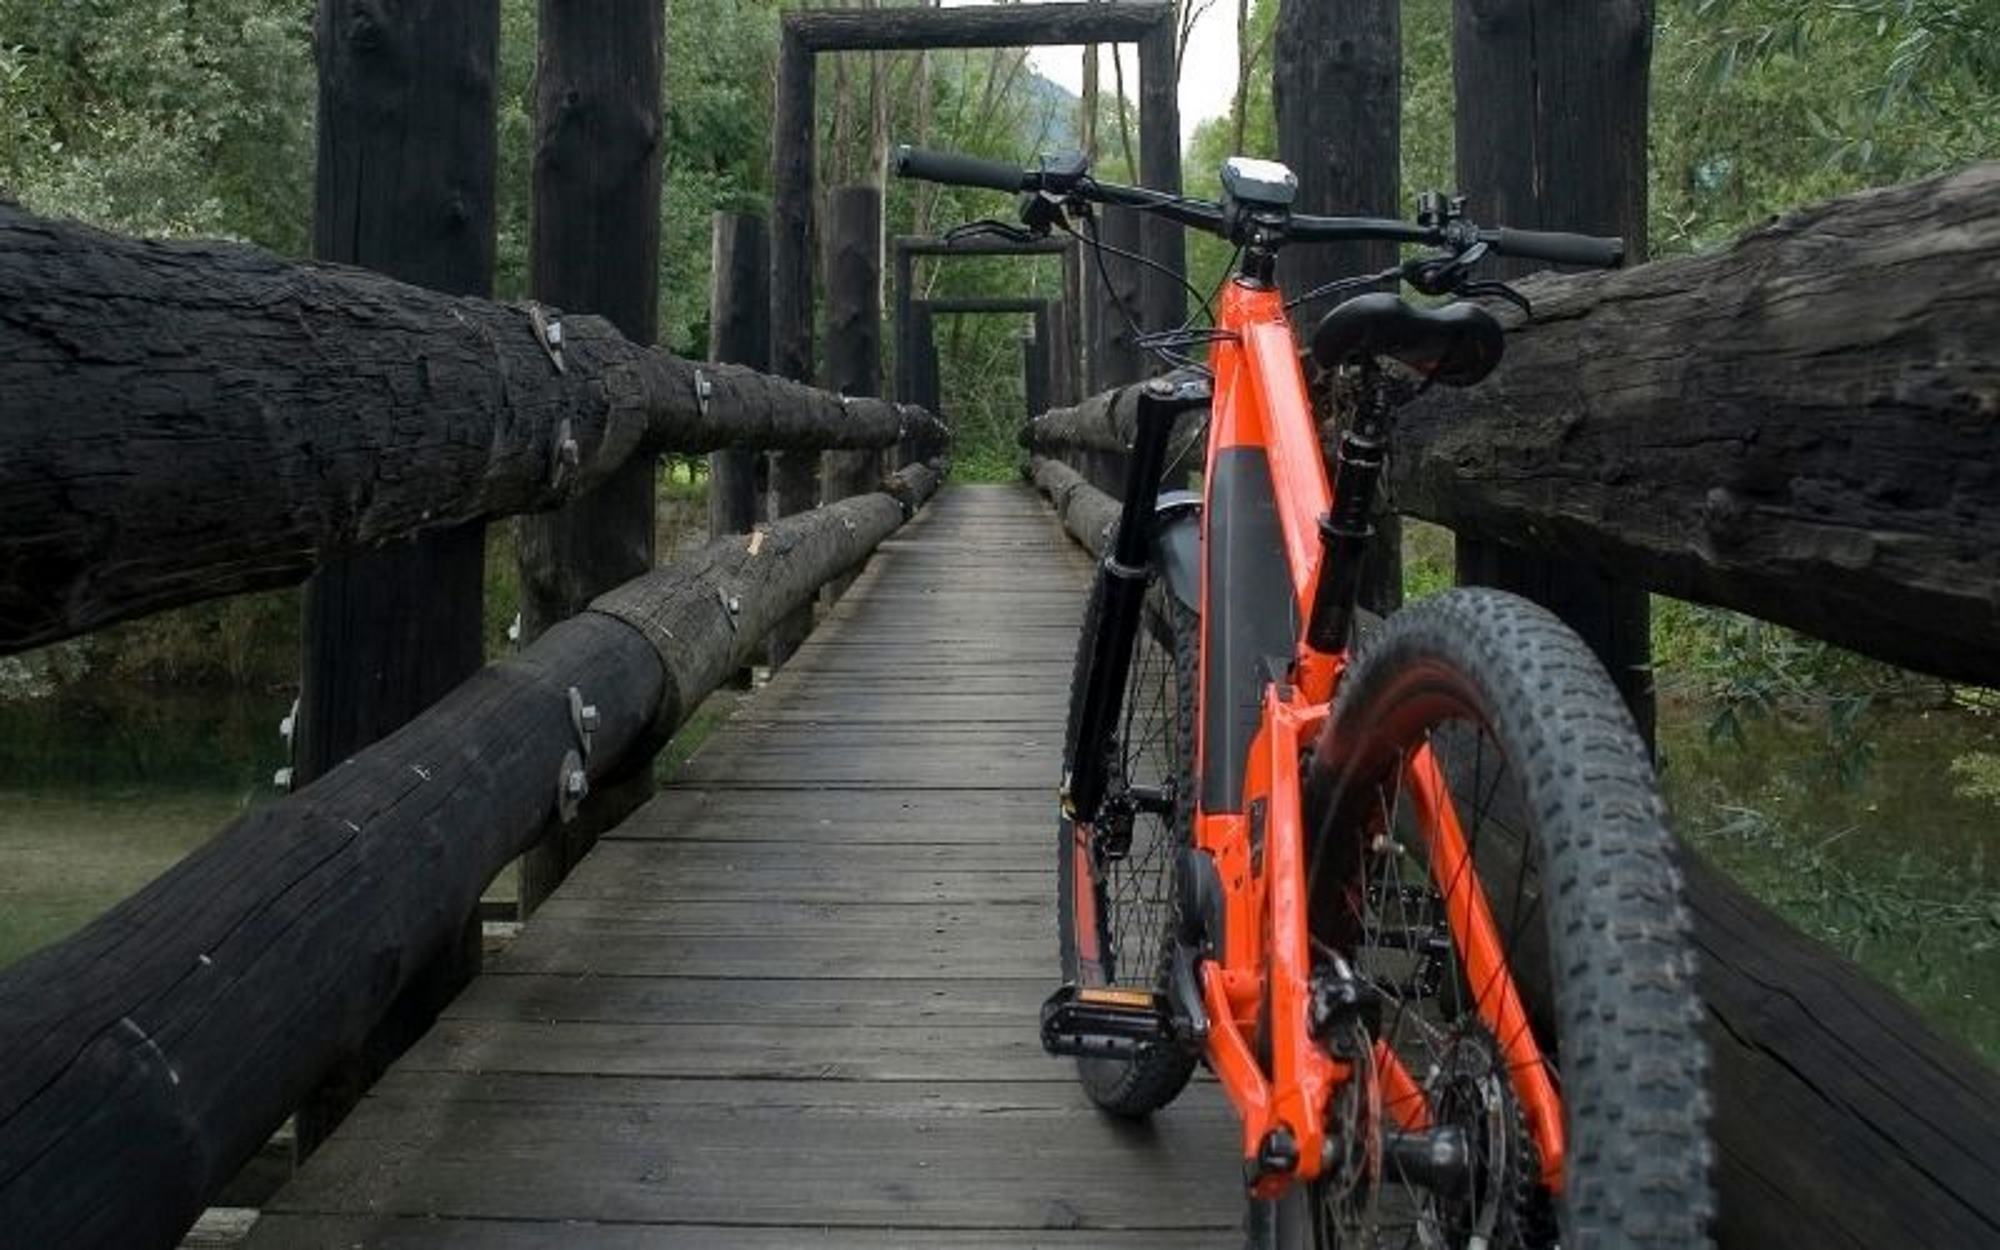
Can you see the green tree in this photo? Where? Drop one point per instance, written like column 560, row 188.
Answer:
column 160, row 116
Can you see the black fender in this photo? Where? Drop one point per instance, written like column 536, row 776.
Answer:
column 1177, row 545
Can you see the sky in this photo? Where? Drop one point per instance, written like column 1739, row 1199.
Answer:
column 1208, row 76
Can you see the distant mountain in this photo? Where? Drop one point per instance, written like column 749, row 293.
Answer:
column 1052, row 116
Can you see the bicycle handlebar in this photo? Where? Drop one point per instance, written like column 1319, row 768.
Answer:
column 1557, row 248
column 958, row 170
column 954, row 169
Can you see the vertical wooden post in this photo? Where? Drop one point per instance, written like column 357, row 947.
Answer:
column 902, row 318
column 739, row 333
column 1035, row 358
column 1075, row 325
column 1335, row 83
column 853, row 333
column 794, row 474
column 1114, row 358
column 854, row 323
column 1164, row 299
column 924, row 381
column 404, row 184
column 595, row 248
column 791, row 200
column 1551, row 135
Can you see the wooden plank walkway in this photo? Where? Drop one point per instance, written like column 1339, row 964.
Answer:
column 792, row 1002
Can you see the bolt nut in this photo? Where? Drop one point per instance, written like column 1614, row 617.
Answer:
column 572, row 784
column 589, row 718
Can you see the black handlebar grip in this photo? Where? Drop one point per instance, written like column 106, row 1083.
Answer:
column 958, row 170
column 1561, row 249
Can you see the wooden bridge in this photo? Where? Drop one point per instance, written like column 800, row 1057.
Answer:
column 792, row 1000
column 789, row 999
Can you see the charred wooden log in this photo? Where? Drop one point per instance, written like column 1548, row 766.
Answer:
column 181, row 421
column 1841, row 1118
column 1801, row 427
column 152, row 1053
column 1087, row 513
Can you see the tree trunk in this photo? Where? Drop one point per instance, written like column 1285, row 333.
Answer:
column 154, row 396
column 1551, row 135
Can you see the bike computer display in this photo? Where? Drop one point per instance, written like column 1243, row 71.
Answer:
column 1264, row 184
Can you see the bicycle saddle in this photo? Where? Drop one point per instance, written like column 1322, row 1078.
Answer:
column 1457, row 344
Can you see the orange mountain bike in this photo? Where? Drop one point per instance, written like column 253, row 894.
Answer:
column 1409, row 895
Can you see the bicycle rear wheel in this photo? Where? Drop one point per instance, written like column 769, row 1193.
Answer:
column 1118, row 881
column 1479, row 759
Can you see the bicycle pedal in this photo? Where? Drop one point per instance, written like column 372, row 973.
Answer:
column 1104, row 1022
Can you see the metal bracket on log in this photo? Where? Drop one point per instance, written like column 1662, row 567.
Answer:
column 583, row 718
column 548, row 332
column 564, row 455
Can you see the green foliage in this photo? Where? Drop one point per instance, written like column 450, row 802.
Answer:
column 1761, row 105
column 161, row 116
column 1741, row 669
column 1928, row 931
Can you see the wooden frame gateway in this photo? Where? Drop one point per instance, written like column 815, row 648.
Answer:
column 1149, row 25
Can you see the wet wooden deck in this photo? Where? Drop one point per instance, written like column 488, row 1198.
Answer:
column 792, row 1002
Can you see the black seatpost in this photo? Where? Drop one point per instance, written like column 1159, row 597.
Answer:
column 1345, row 531
column 1127, row 568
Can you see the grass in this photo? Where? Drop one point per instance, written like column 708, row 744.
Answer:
column 71, row 855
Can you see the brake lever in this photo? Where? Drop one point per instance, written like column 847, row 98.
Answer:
column 1499, row 290
column 1444, row 274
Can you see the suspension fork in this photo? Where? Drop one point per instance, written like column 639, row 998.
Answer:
column 1127, row 568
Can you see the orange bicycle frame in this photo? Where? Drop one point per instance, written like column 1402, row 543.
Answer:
column 1248, row 817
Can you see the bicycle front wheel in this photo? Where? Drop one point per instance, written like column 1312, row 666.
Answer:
column 1118, row 878
column 1491, row 859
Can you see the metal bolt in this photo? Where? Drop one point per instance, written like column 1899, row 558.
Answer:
column 567, row 454
column 589, row 718
column 572, row 784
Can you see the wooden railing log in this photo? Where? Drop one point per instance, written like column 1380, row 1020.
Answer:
column 1801, row 427
column 1841, row 1118
column 153, row 1052
column 1087, row 513
column 1105, row 422
column 180, row 421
